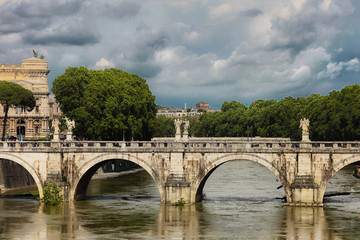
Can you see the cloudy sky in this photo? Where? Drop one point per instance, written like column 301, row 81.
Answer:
column 193, row 50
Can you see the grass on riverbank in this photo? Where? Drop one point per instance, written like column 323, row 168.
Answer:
column 30, row 193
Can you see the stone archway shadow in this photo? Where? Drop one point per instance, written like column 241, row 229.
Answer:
column 28, row 168
column 198, row 184
column 329, row 174
column 85, row 173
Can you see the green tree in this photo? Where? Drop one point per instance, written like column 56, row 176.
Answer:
column 62, row 124
column 52, row 195
column 163, row 127
column 106, row 103
column 14, row 95
column 233, row 105
column 332, row 117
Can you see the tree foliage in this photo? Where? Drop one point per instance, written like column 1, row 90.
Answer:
column 106, row 103
column 14, row 95
column 163, row 127
column 332, row 117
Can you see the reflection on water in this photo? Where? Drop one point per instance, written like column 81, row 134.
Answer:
column 241, row 203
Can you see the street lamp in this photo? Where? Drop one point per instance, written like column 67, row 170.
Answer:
column 132, row 135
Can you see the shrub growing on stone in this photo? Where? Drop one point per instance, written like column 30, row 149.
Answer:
column 52, row 195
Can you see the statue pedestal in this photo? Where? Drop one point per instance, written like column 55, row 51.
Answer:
column 305, row 138
column 178, row 137
column 69, row 136
column 56, row 137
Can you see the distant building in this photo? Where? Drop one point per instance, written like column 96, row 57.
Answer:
column 172, row 112
column 54, row 108
column 177, row 112
column 31, row 74
column 202, row 106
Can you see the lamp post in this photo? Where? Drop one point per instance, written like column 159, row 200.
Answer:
column 123, row 141
column 132, row 134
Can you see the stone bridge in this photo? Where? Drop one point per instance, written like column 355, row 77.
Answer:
column 180, row 169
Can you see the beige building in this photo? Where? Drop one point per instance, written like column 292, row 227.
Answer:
column 31, row 74
column 202, row 106
column 177, row 112
column 55, row 111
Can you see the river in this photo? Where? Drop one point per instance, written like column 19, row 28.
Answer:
column 241, row 202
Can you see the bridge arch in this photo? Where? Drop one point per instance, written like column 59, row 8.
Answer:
column 34, row 174
column 84, row 174
column 330, row 173
column 199, row 182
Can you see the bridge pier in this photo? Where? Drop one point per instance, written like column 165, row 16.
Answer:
column 304, row 191
column 176, row 186
column 176, row 189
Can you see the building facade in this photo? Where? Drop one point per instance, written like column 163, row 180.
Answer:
column 55, row 111
column 177, row 112
column 202, row 106
column 172, row 112
column 31, row 74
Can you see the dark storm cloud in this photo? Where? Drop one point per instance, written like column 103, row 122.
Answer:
column 34, row 15
column 11, row 23
column 254, row 12
column 123, row 10
column 145, row 49
column 145, row 70
column 45, row 9
column 78, row 37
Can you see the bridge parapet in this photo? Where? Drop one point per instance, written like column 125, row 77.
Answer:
column 194, row 146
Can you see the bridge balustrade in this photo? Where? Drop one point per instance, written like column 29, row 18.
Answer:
column 191, row 145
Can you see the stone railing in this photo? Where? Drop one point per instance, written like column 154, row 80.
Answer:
column 213, row 145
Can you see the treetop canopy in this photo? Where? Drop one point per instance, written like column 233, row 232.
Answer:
column 106, row 103
column 14, row 95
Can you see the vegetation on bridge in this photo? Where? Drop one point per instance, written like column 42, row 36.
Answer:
column 332, row 117
column 106, row 103
column 52, row 195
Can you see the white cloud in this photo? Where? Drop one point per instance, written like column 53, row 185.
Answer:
column 303, row 23
column 167, row 56
column 300, row 74
column 192, row 36
column 334, row 69
column 220, row 10
column 103, row 63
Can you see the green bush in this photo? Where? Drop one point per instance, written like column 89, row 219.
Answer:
column 181, row 202
column 52, row 195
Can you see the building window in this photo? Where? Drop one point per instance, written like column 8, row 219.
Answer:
column 37, row 109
